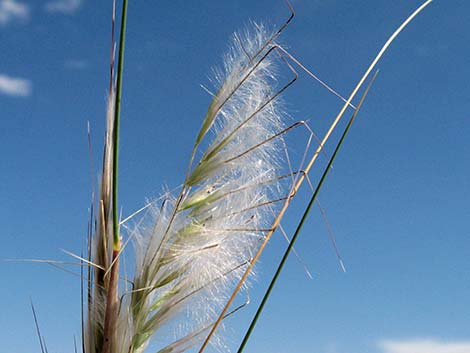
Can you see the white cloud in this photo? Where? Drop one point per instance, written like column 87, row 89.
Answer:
column 14, row 86
column 63, row 6
column 12, row 10
column 424, row 346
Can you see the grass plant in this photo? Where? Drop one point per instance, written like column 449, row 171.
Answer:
column 195, row 248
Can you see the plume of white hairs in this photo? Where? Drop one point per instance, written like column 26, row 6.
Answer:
column 194, row 246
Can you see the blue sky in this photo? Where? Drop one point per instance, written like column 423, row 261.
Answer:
column 397, row 198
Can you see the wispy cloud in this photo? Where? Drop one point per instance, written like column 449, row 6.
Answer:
column 67, row 7
column 13, row 10
column 14, row 86
column 424, row 346
column 75, row 64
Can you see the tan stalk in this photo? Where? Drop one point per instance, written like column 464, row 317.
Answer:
column 307, row 169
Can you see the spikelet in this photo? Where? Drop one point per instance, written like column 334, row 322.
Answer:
column 192, row 247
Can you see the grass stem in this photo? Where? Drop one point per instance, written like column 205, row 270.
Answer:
column 301, row 223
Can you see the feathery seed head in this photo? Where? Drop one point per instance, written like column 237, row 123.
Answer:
column 192, row 248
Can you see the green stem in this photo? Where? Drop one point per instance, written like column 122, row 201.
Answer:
column 117, row 115
column 111, row 313
column 301, row 223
